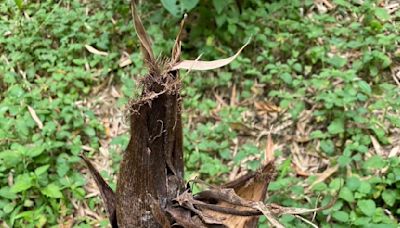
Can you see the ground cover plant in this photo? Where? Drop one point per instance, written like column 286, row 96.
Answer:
column 320, row 76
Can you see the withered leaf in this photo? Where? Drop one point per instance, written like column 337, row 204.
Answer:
column 35, row 117
column 176, row 50
column 207, row 65
column 106, row 192
column 145, row 42
column 95, row 51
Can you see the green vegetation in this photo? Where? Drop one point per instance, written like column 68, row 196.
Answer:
column 331, row 70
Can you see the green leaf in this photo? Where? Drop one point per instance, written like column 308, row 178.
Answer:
column 346, row 194
column 382, row 14
column 42, row 169
column 353, row 183
column 365, row 188
column 189, row 4
column 35, row 151
column 365, row 87
column 52, row 191
column 327, row 146
column 9, row 207
column 22, row 183
column 344, row 160
column 389, row 196
column 337, row 126
column 374, row 162
column 287, row 78
column 367, row 207
column 344, row 3
column 219, row 5
column 6, row 192
column 337, row 61
column 171, row 6
column 10, row 158
column 19, row 4
column 340, row 216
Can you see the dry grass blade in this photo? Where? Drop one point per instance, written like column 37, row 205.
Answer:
column 323, row 176
column 277, row 209
column 261, row 207
column 95, row 51
column 143, row 37
column 176, row 50
column 207, row 65
column 35, row 117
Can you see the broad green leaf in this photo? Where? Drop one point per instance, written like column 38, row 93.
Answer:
column 382, row 14
column 327, row 146
column 346, row 194
column 340, row 216
column 35, row 151
column 189, row 4
column 19, row 4
column 344, row 160
column 336, row 127
column 6, row 192
column 389, row 196
column 353, row 183
column 287, row 78
column 365, row 87
column 171, row 6
column 22, row 183
column 9, row 207
column 42, row 169
column 10, row 158
column 52, row 190
column 364, row 187
column 344, row 3
column 367, row 207
column 375, row 162
column 337, row 61
column 219, row 5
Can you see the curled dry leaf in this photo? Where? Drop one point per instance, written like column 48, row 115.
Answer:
column 144, row 39
column 95, row 51
column 207, row 65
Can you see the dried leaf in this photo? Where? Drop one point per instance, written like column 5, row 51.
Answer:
column 145, row 42
column 377, row 146
column 394, row 152
column 176, row 50
column 186, row 200
column 35, row 117
column 183, row 218
column 207, row 65
column 279, row 210
column 269, row 150
column 266, row 107
column 248, row 189
column 125, row 62
column 261, row 207
column 323, row 176
column 106, row 192
column 95, row 51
